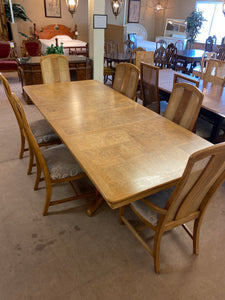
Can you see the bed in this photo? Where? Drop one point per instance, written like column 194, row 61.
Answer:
column 56, row 34
column 141, row 36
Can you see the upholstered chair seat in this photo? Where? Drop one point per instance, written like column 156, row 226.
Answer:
column 8, row 65
column 43, row 132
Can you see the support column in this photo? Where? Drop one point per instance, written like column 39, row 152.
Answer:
column 96, row 39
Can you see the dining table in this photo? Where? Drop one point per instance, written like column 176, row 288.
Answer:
column 126, row 150
column 213, row 104
column 190, row 56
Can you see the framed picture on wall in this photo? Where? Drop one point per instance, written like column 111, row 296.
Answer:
column 52, row 8
column 134, row 11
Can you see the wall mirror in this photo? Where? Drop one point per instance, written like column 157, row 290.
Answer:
column 175, row 28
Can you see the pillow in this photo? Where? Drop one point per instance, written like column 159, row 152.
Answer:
column 63, row 38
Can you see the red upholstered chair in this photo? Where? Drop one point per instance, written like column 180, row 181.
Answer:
column 7, row 61
column 31, row 48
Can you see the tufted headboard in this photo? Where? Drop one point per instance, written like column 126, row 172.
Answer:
column 136, row 28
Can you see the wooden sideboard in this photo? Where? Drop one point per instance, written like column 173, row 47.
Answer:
column 30, row 70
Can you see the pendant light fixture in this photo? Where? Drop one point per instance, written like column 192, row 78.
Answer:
column 72, row 6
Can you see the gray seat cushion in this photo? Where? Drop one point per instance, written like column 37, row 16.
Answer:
column 43, row 132
column 159, row 199
column 61, row 163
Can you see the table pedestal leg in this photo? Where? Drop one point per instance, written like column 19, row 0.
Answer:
column 94, row 205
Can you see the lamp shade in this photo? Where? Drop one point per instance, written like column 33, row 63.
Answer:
column 116, row 6
column 72, row 5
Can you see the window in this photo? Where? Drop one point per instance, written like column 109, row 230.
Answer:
column 212, row 12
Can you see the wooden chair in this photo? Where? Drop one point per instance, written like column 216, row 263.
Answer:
column 184, row 105
column 215, row 71
column 128, row 46
column 111, row 50
column 170, row 58
column 133, row 54
column 221, row 53
column 182, row 78
column 42, row 131
column 56, row 163
column 126, row 79
column 144, row 56
column 165, row 210
column 31, row 47
column 149, row 86
column 55, row 68
column 210, row 44
column 200, row 70
column 159, row 57
column 8, row 61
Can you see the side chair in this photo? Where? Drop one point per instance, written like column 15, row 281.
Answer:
column 42, row 131
column 55, row 68
column 184, row 105
column 215, row 71
column 170, row 208
column 56, row 163
column 182, row 78
column 144, row 56
column 126, row 79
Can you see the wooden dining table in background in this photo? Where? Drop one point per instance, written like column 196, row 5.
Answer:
column 213, row 102
column 127, row 150
column 190, row 56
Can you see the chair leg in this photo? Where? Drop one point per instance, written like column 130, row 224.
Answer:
column 121, row 213
column 196, row 234
column 22, row 147
column 156, row 255
column 38, row 176
column 31, row 161
column 47, row 198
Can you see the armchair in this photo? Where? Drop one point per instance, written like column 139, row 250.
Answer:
column 8, row 61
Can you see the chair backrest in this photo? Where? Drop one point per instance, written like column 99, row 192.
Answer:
column 55, row 68
column 184, row 105
column 160, row 43
column 126, row 79
column 170, row 59
column 134, row 52
column 29, row 135
column 177, row 78
column 215, row 71
column 221, row 53
column 149, row 85
column 144, row 56
column 5, row 49
column 112, row 48
column 179, row 44
column 159, row 57
column 209, row 44
column 31, row 47
column 206, row 56
column 204, row 173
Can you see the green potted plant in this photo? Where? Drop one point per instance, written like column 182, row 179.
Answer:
column 19, row 13
column 55, row 49
column 194, row 24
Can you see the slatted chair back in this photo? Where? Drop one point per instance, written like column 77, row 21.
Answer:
column 170, row 59
column 55, row 68
column 126, row 79
column 182, row 78
column 184, row 105
column 159, row 57
column 200, row 70
column 149, row 86
column 209, row 44
column 221, row 53
column 160, row 43
column 112, row 48
column 129, row 46
column 144, row 56
column 163, row 211
column 215, row 71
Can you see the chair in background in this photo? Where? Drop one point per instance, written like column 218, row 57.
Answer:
column 209, row 44
column 170, row 59
column 55, row 68
column 144, row 56
column 8, row 61
column 170, row 208
column 31, row 47
column 179, row 44
column 42, row 131
column 56, row 163
column 126, row 79
column 221, row 53
column 200, row 70
column 111, row 50
column 184, row 105
column 134, row 53
column 182, row 78
column 161, row 43
column 129, row 46
column 215, row 71
column 159, row 57
column 149, row 86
